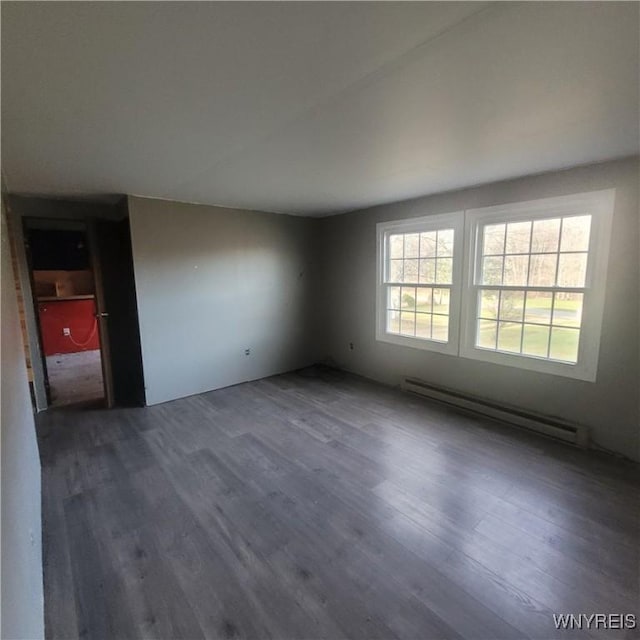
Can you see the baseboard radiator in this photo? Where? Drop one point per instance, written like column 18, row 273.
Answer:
column 571, row 433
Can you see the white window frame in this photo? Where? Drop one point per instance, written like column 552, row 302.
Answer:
column 599, row 204
column 453, row 221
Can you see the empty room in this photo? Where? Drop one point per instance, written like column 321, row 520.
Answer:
column 320, row 320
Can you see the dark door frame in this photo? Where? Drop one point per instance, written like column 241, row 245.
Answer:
column 35, row 332
column 102, row 313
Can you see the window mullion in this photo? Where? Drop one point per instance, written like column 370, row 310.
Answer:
column 558, row 253
column 553, row 304
column 517, row 287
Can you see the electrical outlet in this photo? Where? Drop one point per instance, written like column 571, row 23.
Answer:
column 351, row 346
column 247, row 352
column 66, row 331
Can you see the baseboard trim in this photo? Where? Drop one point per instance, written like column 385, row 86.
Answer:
column 575, row 434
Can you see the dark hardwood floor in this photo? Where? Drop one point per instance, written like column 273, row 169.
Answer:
column 319, row 505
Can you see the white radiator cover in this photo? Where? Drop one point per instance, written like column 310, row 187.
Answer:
column 552, row 427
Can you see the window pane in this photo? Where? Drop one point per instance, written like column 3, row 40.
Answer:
column 491, row 271
column 515, row 270
column 564, row 344
column 440, row 328
column 428, row 244
column 572, row 269
column 423, row 325
column 486, row 334
column 393, row 298
column 567, row 310
column 410, row 271
column 509, row 334
column 411, row 245
column 516, row 254
column 575, row 233
column 535, row 340
column 443, row 270
column 532, row 273
column 395, row 246
column 546, row 235
column 428, row 271
column 424, row 297
column 445, row 243
column 542, row 270
column 511, row 305
column 538, row 307
column 407, row 323
column 393, row 321
column 518, row 237
column 489, row 304
column 493, row 239
column 395, row 270
column 408, row 298
column 441, row 301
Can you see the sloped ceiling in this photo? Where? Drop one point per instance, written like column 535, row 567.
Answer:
column 310, row 108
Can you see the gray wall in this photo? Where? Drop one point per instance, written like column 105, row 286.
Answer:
column 609, row 406
column 22, row 599
column 212, row 282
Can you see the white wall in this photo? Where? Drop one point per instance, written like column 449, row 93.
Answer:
column 212, row 282
column 22, row 596
column 609, row 406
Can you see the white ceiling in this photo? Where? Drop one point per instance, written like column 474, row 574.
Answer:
column 310, row 108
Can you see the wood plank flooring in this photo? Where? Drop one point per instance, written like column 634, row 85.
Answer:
column 319, row 505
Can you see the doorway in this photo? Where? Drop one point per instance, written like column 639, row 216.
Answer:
column 95, row 238
column 64, row 288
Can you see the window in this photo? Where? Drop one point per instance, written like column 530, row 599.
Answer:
column 531, row 294
column 419, row 282
column 536, row 283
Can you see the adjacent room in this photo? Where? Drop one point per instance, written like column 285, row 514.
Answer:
column 320, row 320
column 64, row 287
